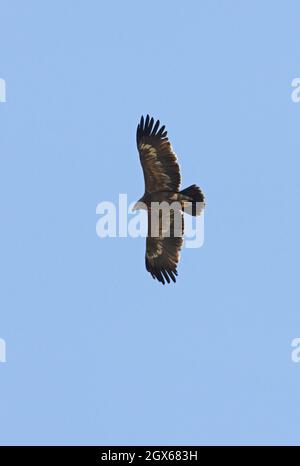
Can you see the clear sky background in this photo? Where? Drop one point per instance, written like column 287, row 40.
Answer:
column 97, row 351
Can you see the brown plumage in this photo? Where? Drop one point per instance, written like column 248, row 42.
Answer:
column 162, row 183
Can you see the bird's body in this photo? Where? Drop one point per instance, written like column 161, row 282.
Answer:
column 162, row 187
column 161, row 196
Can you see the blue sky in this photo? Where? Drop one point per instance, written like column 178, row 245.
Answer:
column 97, row 351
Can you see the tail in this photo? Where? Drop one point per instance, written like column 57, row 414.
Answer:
column 193, row 200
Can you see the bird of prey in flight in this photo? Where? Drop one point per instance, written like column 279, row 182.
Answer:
column 162, row 185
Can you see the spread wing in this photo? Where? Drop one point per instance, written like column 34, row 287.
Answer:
column 159, row 161
column 163, row 250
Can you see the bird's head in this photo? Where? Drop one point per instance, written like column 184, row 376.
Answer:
column 140, row 204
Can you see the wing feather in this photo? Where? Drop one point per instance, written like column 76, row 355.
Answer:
column 163, row 251
column 158, row 159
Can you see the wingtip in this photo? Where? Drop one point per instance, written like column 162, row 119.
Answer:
column 148, row 126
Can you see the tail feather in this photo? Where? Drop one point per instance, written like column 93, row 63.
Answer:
column 193, row 200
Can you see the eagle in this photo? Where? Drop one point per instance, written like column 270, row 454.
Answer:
column 162, row 185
